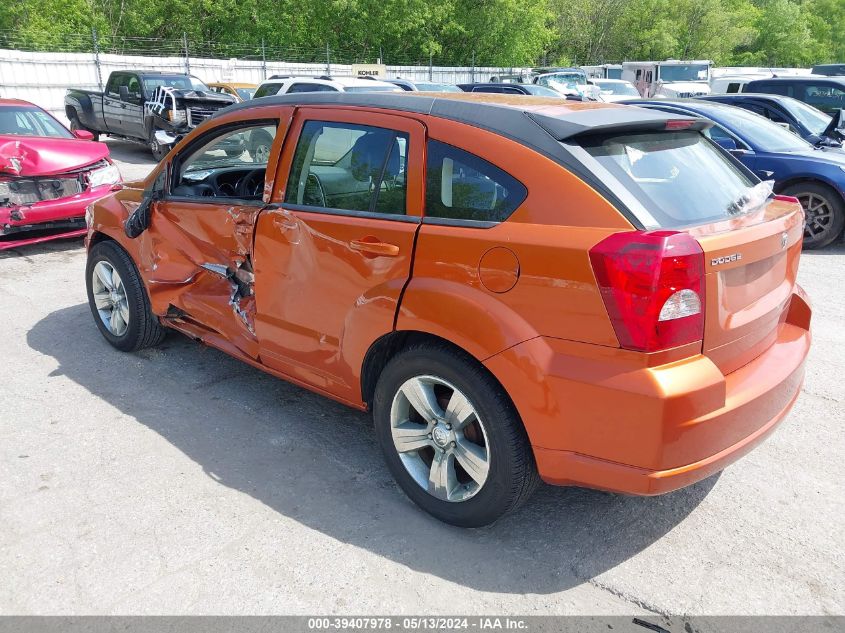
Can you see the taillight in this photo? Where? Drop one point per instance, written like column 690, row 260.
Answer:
column 652, row 283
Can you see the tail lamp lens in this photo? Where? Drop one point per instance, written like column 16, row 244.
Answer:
column 652, row 284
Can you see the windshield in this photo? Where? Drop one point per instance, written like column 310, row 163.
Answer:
column 759, row 131
column 568, row 79
column 427, row 87
column 680, row 178
column 684, row 72
column 30, row 121
column 615, row 88
column 180, row 82
column 541, row 91
column 245, row 93
column 814, row 120
column 374, row 88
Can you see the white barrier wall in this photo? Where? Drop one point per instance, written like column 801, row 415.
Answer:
column 43, row 78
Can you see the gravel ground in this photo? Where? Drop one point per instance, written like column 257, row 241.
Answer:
column 178, row 480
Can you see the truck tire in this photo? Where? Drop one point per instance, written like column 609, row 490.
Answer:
column 76, row 125
column 158, row 150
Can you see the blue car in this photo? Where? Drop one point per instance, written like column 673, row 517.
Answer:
column 813, row 125
column 814, row 175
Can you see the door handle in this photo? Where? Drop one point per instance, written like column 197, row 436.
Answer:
column 373, row 247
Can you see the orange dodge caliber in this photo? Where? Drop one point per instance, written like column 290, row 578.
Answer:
column 518, row 288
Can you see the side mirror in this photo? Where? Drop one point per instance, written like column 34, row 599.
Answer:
column 836, row 128
column 726, row 143
column 124, row 93
column 83, row 135
column 139, row 220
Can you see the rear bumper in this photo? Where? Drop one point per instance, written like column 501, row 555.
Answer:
column 605, row 422
column 47, row 220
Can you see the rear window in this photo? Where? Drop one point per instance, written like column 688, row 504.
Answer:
column 680, row 177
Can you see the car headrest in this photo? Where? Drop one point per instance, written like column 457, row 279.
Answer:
column 368, row 155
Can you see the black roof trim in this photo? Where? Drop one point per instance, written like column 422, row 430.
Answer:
column 838, row 79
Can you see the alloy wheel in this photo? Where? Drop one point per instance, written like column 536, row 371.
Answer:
column 818, row 213
column 110, row 298
column 440, row 438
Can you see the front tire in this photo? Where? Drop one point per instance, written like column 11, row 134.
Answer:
column 76, row 125
column 158, row 150
column 118, row 299
column 824, row 212
column 451, row 437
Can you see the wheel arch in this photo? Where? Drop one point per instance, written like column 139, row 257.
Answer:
column 386, row 347
column 809, row 179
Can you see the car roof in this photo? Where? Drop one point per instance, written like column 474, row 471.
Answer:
column 501, row 113
column 232, row 84
column 17, row 102
column 801, row 79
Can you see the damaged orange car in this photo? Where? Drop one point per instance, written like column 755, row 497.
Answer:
column 518, row 288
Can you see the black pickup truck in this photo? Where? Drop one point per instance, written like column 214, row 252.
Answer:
column 136, row 104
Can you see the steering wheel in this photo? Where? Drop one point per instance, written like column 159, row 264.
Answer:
column 252, row 185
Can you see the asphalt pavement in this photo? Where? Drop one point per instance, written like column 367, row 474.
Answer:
column 178, row 480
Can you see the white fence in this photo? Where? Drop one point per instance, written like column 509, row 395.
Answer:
column 43, row 78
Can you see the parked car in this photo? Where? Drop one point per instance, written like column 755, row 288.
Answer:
column 284, row 84
column 566, row 81
column 813, row 125
column 415, row 86
column 829, row 70
column 48, row 175
column 135, row 104
column 824, row 93
column 512, row 89
column 816, row 176
column 240, row 91
column 613, row 90
column 514, row 289
column 730, row 84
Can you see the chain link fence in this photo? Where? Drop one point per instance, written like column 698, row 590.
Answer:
column 41, row 70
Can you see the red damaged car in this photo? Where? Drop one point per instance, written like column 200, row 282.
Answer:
column 48, row 175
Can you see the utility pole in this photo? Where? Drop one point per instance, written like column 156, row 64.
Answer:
column 328, row 60
column 430, row 66
column 97, row 58
column 472, row 70
column 263, row 60
column 187, row 60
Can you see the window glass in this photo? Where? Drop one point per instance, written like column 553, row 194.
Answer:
column 349, row 167
column 679, row 177
column 814, row 120
column 733, row 88
column 29, row 121
column 773, row 88
column 231, row 164
column 825, row 97
column 265, row 90
column 462, row 186
column 766, row 135
column 115, row 82
column 179, row 82
column 306, row 87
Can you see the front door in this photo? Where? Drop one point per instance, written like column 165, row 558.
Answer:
column 197, row 249
column 332, row 259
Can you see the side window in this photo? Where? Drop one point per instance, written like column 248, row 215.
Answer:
column 349, row 167
column 266, row 90
column 719, row 135
column 134, row 87
column 306, row 87
column 825, row 97
column 462, row 186
column 512, row 91
column 494, row 89
column 732, row 88
column 229, row 164
column 115, row 81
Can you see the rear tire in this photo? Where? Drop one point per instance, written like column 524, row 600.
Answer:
column 485, row 434
column 135, row 326
column 76, row 125
column 824, row 212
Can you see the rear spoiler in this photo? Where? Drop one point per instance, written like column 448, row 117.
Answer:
column 615, row 119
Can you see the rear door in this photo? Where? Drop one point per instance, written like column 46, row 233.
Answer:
column 332, row 260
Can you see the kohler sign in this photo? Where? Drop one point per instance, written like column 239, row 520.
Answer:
column 369, row 70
